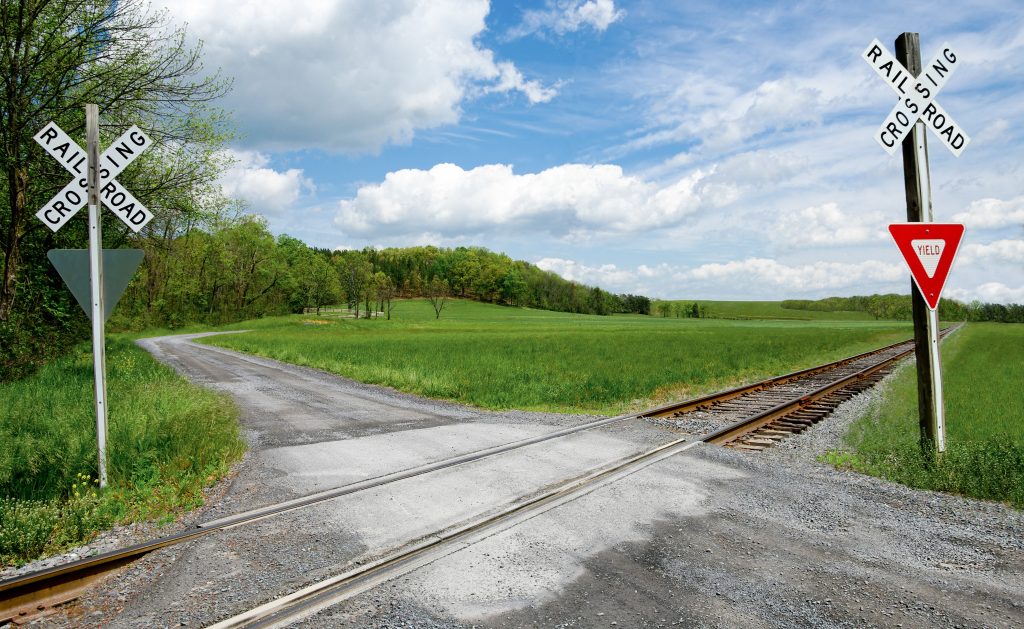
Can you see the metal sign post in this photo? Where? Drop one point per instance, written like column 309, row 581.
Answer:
column 95, row 185
column 99, row 352
column 916, row 87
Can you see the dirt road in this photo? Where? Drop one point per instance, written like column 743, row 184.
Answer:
column 706, row 538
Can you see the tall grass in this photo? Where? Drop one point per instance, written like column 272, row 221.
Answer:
column 766, row 310
column 499, row 357
column 983, row 368
column 167, row 439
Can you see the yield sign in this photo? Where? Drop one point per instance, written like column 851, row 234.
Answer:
column 929, row 249
column 118, row 268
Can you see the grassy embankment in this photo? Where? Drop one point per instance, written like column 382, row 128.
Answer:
column 499, row 357
column 983, row 368
column 167, row 440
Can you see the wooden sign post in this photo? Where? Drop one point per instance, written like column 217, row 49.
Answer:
column 915, row 111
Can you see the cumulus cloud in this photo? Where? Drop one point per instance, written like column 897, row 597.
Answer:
column 572, row 201
column 989, row 292
column 992, row 213
column 827, row 225
column 568, row 16
column 1005, row 251
column 607, row 276
column 349, row 75
column 264, row 189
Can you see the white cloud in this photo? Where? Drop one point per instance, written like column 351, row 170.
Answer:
column 572, row 201
column 992, row 213
column 827, row 225
column 607, row 276
column 990, row 292
column 510, row 78
column 763, row 273
column 1005, row 251
column 721, row 111
column 751, row 278
column 349, row 75
column 264, row 189
column 568, row 16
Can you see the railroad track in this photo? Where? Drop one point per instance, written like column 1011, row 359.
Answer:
column 757, row 416
column 749, row 417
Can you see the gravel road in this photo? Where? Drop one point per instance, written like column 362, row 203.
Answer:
column 710, row 537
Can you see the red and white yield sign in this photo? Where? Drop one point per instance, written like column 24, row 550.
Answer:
column 929, row 249
column 74, row 196
column 916, row 98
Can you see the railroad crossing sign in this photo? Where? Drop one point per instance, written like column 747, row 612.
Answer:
column 97, row 292
column 916, row 100
column 929, row 249
column 73, row 197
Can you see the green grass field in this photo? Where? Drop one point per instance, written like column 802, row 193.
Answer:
column 765, row 310
column 983, row 372
column 499, row 357
column 167, row 440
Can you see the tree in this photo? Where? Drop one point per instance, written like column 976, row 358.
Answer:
column 437, row 294
column 354, row 271
column 386, row 292
column 58, row 55
column 317, row 281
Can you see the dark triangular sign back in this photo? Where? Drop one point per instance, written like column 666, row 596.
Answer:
column 929, row 249
column 119, row 267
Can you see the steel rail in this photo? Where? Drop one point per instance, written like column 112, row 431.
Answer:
column 735, row 431
column 309, row 600
column 31, row 593
column 721, row 396
column 312, row 598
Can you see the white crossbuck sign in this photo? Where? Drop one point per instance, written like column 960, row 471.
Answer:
column 118, row 155
column 917, row 98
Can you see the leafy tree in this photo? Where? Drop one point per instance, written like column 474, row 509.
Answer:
column 56, row 56
column 317, row 281
column 354, row 271
column 386, row 293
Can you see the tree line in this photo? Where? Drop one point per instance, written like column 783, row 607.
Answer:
column 898, row 307
column 233, row 269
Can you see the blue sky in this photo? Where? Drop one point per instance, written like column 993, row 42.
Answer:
column 675, row 149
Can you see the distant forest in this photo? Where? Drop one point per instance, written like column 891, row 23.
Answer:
column 898, row 307
column 239, row 270
column 229, row 269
